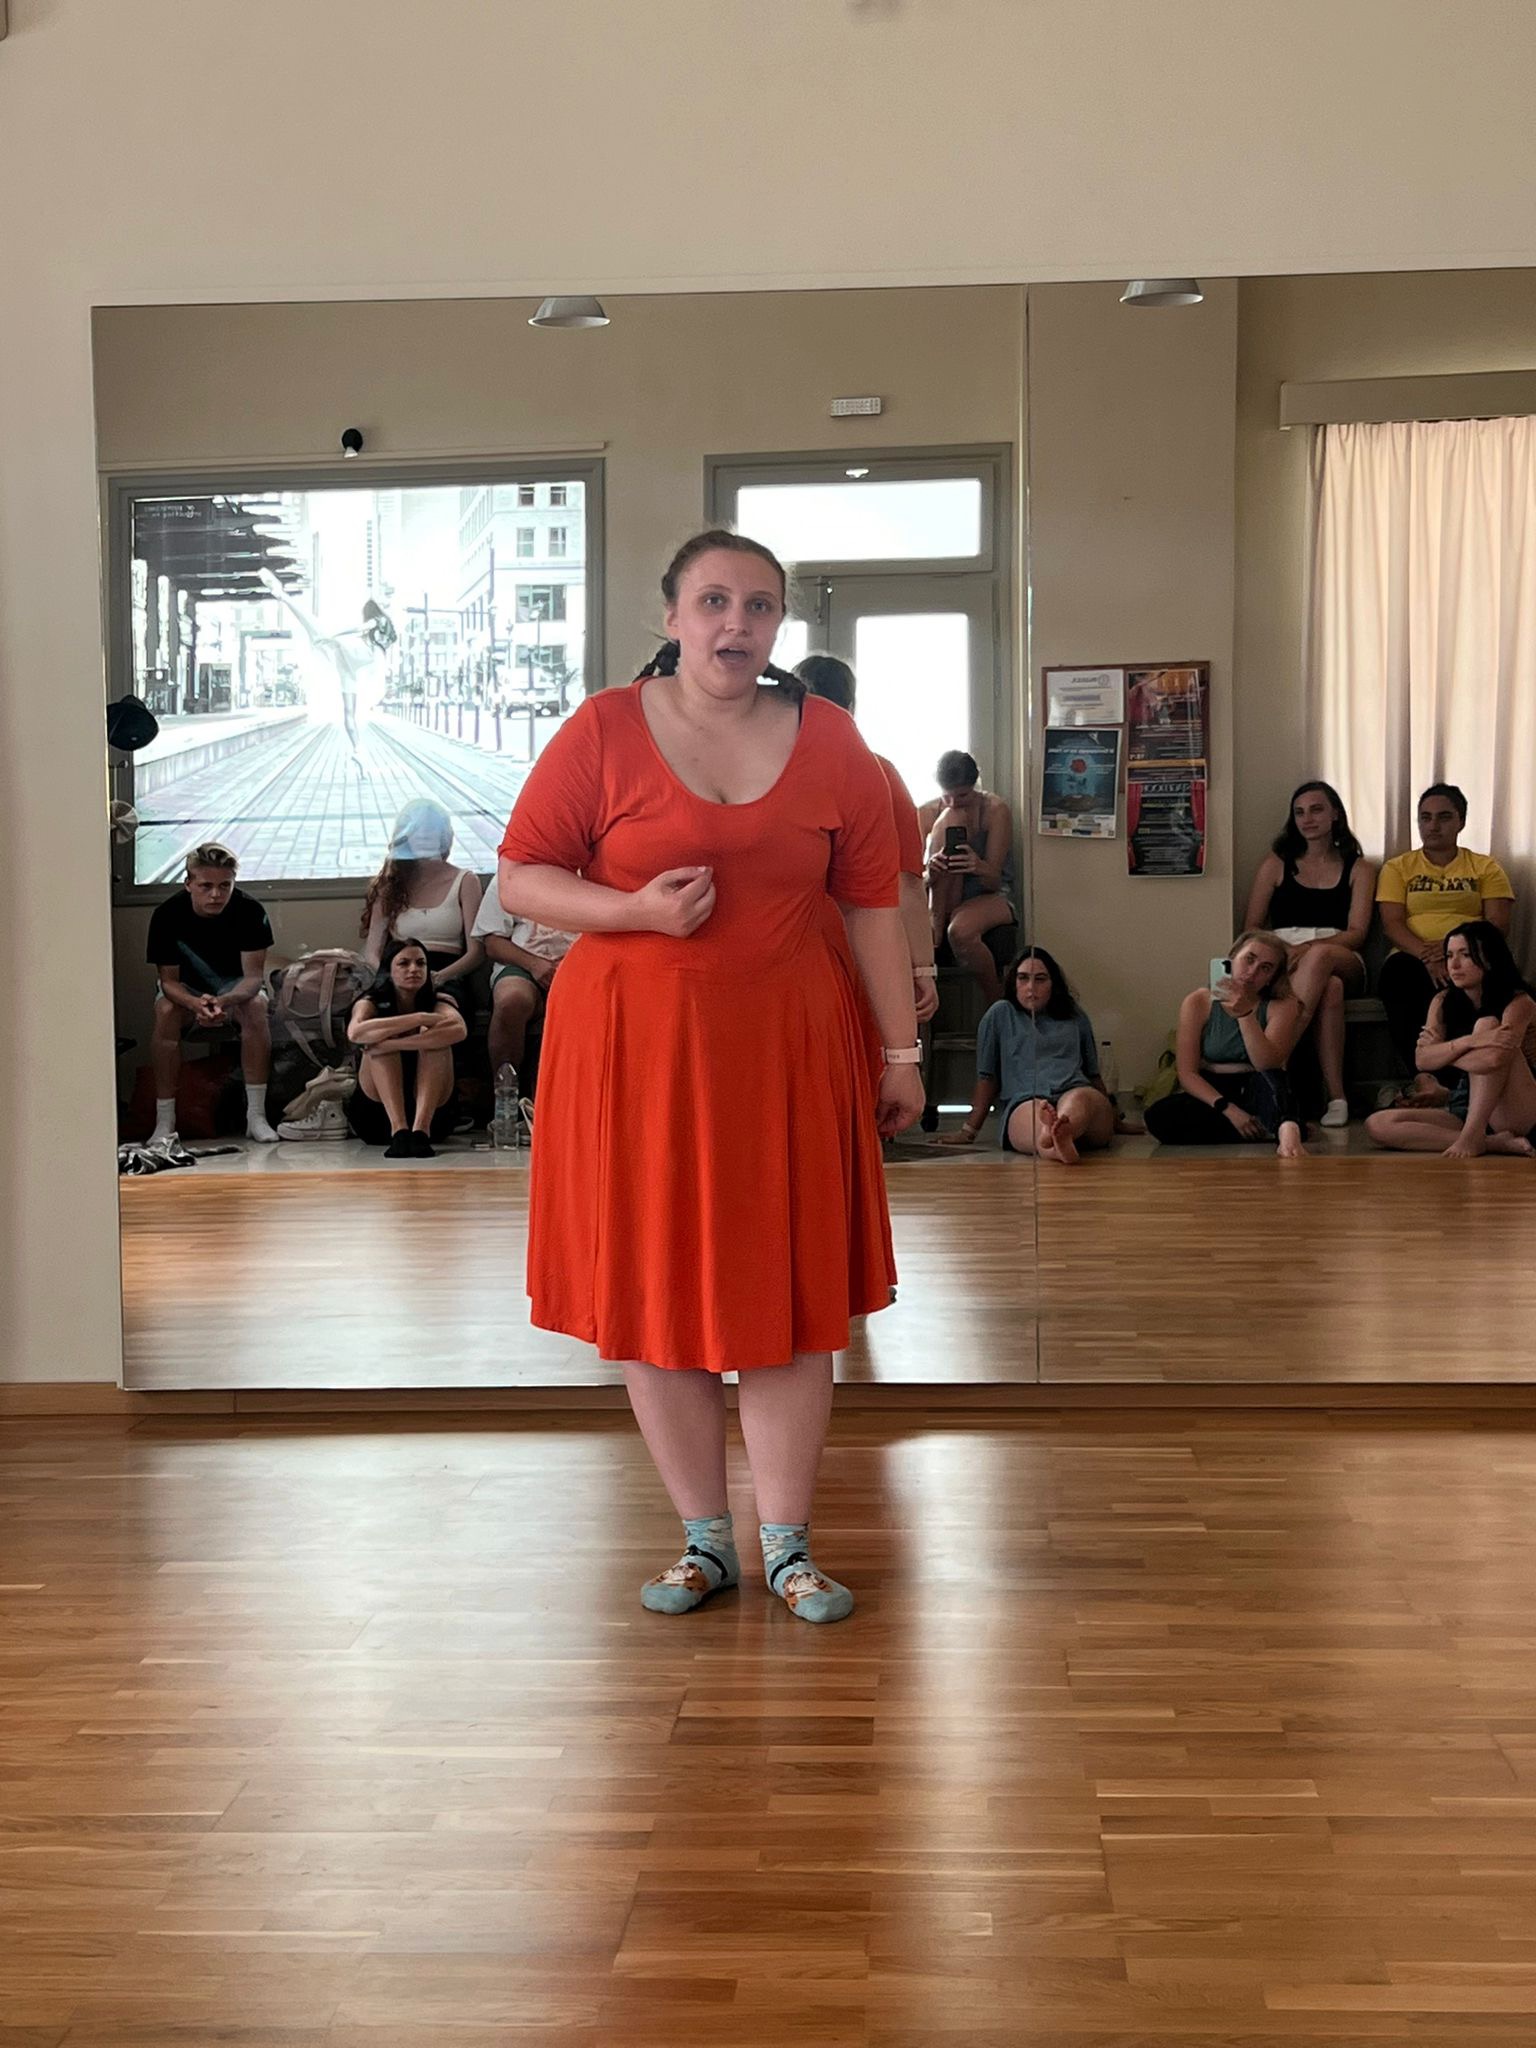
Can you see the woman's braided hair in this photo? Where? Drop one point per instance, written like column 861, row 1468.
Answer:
column 717, row 539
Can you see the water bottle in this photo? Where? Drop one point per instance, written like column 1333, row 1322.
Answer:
column 506, row 1131
column 1109, row 1070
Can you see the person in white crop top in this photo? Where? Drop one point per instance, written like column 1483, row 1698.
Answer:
column 420, row 894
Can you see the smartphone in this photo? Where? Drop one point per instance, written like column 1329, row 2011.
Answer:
column 1220, row 971
column 954, row 841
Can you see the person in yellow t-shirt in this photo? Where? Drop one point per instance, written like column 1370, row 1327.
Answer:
column 1423, row 896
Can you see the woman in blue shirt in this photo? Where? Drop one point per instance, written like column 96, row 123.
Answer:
column 1035, row 1052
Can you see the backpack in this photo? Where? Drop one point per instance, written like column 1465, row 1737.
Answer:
column 312, row 999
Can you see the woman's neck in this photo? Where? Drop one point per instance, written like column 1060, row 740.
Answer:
column 706, row 709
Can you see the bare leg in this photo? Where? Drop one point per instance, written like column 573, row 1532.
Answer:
column 944, row 889
column 1084, row 1119
column 967, row 930
column 1031, row 1127
column 1502, row 1102
column 682, row 1418
column 1412, row 1130
column 255, row 1040
column 434, row 1085
column 784, row 1414
column 1289, row 1145
column 171, row 1020
column 381, row 1079
column 513, row 1005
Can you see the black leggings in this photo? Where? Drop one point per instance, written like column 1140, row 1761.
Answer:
column 1181, row 1119
column 1406, row 993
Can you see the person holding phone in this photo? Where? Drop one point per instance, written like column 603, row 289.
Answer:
column 969, row 869
column 1233, row 1043
column 707, row 1190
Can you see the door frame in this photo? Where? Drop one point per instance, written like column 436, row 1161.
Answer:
column 992, row 464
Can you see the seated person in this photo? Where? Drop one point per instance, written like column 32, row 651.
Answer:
column 1036, row 1049
column 1233, row 1043
column 420, row 894
column 1423, row 896
column 970, row 868
column 524, row 957
column 825, row 676
column 1476, row 1034
column 1314, row 890
column 407, row 1032
column 208, row 943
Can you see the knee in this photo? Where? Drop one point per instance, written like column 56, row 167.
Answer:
column 1378, row 1127
column 168, row 1017
column 514, row 1001
column 1333, row 995
column 1484, row 1026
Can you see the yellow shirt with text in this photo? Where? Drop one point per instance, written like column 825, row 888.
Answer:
column 1436, row 900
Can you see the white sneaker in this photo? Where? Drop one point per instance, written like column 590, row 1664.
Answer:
column 259, row 1131
column 327, row 1121
column 1336, row 1115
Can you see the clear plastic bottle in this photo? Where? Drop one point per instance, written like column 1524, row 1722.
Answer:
column 506, row 1130
column 1109, row 1070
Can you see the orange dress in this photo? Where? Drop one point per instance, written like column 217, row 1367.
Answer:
column 707, row 1188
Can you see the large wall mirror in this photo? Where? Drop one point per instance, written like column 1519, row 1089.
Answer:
column 1169, row 615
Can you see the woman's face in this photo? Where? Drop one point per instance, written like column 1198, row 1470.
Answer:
column 1461, row 965
column 408, row 971
column 1254, row 967
column 727, row 616
column 1032, row 990
column 1315, row 817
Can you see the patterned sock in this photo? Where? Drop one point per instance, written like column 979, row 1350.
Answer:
column 805, row 1591
column 708, row 1562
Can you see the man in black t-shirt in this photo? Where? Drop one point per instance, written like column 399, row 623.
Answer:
column 209, row 944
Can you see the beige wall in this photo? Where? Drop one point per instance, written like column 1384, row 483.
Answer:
column 1131, row 535
column 672, row 381
column 1301, row 330
column 172, row 151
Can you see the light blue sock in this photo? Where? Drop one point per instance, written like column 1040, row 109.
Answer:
column 707, row 1564
column 805, row 1591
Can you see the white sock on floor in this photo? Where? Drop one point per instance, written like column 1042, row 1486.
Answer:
column 165, row 1117
column 256, row 1125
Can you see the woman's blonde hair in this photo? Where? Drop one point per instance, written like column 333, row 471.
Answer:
column 1257, row 935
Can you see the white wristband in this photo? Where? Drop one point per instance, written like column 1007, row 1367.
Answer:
column 925, row 974
column 902, row 1055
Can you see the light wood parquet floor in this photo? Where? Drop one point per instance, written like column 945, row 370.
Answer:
column 1211, row 1732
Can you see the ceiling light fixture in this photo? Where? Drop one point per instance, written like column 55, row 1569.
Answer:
column 1162, row 291
column 575, row 312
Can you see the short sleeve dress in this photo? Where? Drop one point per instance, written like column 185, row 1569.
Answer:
column 707, row 1189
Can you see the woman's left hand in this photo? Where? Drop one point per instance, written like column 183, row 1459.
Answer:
column 1226, row 994
column 925, row 996
column 964, row 861
column 901, row 1100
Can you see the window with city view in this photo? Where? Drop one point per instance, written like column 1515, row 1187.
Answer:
column 316, row 658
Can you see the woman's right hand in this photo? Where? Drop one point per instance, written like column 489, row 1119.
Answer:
column 1245, row 1125
column 676, row 903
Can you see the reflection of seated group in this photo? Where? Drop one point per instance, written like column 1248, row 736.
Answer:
column 1458, row 1009
column 427, row 929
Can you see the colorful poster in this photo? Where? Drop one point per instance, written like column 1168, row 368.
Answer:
column 1165, row 822
column 1167, row 710
column 1084, row 696
column 1080, row 782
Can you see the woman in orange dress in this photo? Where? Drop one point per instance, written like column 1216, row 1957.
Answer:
column 707, row 1194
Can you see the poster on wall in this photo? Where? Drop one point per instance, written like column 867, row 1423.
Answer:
column 1165, row 822
column 1084, row 696
column 1167, row 715
column 1080, row 782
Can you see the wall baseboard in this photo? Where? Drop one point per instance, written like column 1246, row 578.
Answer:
column 87, row 1401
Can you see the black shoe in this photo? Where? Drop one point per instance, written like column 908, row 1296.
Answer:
column 400, row 1146
column 421, row 1146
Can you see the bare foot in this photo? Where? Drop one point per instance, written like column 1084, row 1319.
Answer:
column 1511, row 1144
column 1290, row 1145
column 1065, row 1140
column 1470, row 1145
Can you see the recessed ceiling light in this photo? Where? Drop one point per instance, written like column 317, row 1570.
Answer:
column 1162, row 291
column 576, row 312
column 855, row 472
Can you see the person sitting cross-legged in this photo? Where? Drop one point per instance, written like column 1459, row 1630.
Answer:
column 1475, row 1037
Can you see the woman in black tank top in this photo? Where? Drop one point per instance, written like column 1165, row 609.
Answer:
column 1316, row 889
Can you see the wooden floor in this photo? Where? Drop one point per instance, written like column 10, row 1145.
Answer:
column 1198, row 1734
column 1149, row 1270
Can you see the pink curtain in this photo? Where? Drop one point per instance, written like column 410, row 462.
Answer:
column 1421, row 643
